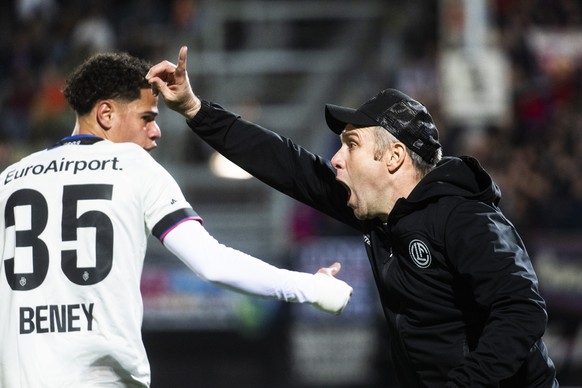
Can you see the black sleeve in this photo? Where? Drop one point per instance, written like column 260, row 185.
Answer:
column 488, row 254
column 275, row 160
column 170, row 221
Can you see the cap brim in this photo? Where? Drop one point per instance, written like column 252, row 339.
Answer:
column 337, row 117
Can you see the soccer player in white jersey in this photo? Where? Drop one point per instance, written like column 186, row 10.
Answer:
column 73, row 228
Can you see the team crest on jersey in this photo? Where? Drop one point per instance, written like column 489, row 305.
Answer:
column 419, row 253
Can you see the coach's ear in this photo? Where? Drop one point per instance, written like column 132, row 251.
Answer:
column 395, row 155
column 104, row 114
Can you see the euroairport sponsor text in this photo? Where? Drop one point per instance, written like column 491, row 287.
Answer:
column 63, row 165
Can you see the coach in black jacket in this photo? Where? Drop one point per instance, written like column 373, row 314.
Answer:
column 457, row 286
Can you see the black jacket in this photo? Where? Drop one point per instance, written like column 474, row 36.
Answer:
column 456, row 283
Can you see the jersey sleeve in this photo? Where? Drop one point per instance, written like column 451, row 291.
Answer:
column 238, row 271
column 164, row 203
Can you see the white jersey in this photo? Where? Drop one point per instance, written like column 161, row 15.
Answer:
column 73, row 237
column 73, row 228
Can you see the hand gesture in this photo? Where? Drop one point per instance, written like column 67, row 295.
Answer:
column 172, row 83
column 334, row 294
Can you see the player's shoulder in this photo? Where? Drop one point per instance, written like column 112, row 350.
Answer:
column 123, row 147
column 128, row 151
column 133, row 157
column 24, row 159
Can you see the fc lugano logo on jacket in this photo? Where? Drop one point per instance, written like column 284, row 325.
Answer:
column 419, row 253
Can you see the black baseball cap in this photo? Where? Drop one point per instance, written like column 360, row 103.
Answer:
column 405, row 118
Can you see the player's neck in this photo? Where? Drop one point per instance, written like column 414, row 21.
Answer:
column 77, row 129
column 85, row 127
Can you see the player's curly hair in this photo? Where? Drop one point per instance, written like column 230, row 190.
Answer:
column 116, row 75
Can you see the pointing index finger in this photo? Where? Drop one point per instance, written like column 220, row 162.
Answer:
column 182, row 58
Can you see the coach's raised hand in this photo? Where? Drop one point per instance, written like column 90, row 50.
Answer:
column 172, row 83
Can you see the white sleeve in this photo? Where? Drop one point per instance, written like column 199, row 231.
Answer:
column 233, row 269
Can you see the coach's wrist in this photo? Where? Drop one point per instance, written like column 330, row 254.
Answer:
column 196, row 115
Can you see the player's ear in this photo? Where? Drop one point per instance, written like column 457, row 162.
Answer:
column 104, row 114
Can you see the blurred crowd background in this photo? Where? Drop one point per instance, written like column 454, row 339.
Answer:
column 505, row 90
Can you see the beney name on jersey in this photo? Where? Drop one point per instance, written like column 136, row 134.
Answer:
column 53, row 318
column 63, row 165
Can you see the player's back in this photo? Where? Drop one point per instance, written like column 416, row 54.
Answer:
column 73, row 239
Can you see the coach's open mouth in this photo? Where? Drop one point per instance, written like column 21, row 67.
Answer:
column 349, row 191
